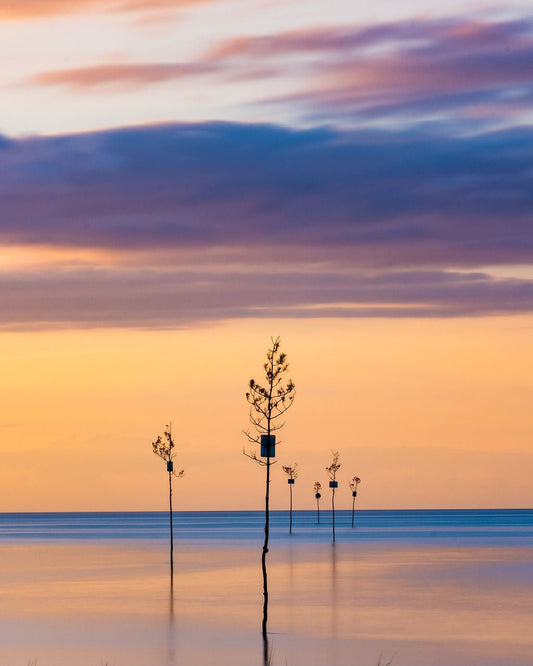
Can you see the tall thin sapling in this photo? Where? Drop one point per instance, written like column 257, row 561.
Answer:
column 267, row 405
column 318, row 488
column 164, row 448
column 353, row 485
column 292, row 473
column 333, row 484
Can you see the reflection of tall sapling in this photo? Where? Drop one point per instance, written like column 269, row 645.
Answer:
column 292, row 474
column 267, row 404
column 164, row 448
column 318, row 488
column 333, row 484
column 353, row 485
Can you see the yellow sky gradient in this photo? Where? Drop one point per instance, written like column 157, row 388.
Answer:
column 429, row 413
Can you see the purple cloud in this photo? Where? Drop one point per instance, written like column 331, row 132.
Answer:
column 176, row 298
column 413, row 71
column 212, row 221
column 409, row 197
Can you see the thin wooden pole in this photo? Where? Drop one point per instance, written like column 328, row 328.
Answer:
column 290, row 509
column 265, row 547
column 171, row 525
column 333, row 511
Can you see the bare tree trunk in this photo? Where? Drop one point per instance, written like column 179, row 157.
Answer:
column 353, row 510
column 290, row 510
column 171, row 526
column 318, row 511
column 333, row 511
column 265, row 548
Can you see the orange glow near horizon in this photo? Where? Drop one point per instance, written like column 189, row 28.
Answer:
column 40, row 256
column 429, row 413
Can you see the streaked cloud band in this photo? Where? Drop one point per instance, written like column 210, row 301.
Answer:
column 203, row 222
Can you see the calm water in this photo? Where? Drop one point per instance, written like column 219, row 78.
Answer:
column 440, row 588
column 488, row 527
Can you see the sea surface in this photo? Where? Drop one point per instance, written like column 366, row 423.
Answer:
column 435, row 588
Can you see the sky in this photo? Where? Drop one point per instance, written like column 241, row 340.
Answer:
column 181, row 180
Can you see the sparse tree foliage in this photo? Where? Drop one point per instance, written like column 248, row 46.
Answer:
column 292, row 473
column 268, row 404
column 334, row 467
column 164, row 448
column 318, row 488
column 333, row 484
column 353, row 485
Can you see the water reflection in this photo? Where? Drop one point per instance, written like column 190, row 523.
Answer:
column 291, row 593
column 334, row 605
column 68, row 604
column 171, row 633
column 267, row 655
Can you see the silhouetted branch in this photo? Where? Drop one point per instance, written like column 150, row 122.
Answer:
column 292, row 472
column 253, row 456
column 354, row 483
column 334, row 467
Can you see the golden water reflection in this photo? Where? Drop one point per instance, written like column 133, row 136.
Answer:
column 341, row 604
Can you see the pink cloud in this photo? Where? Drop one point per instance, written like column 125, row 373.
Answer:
column 460, row 68
column 28, row 9
column 130, row 74
column 413, row 67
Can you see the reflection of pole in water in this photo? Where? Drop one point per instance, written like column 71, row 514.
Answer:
column 291, row 595
column 171, row 600
column 267, row 654
column 334, row 610
column 171, row 656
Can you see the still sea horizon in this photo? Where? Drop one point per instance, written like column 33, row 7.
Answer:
column 437, row 587
column 488, row 526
